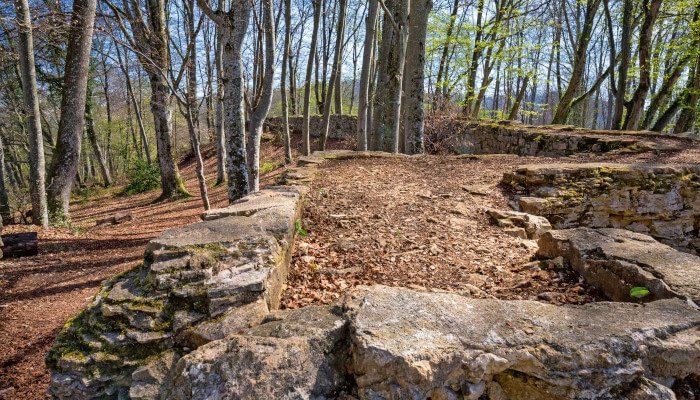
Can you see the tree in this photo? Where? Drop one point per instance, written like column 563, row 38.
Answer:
column 150, row 42
column 364, row 100
column 66, row 157
column 263, row 98
column 636, row 105
column 415, row 76
column 335, row 73
column 32, row 115
column 562, row 112
column 306, row 149
column 233, row 25
column 283, row 79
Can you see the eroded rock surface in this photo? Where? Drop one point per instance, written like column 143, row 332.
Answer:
column 302, row 356
column 659, row 200
column 616, row 260
column 411, row 345
column 199, row 283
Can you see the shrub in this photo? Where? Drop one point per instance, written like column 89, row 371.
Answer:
column 142, row 178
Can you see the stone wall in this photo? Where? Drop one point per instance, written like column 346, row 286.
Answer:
column 340, row 126
column 199, row 320
column 662, row 201
column 509, row 137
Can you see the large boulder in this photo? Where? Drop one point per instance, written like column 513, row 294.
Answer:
column 616, row 260
column 413, row 345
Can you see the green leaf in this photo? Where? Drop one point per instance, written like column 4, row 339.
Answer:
column 639, row 292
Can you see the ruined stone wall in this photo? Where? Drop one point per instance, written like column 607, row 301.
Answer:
column 662, row 201
column 199, row 320
column 456, row 136
column 340, row 126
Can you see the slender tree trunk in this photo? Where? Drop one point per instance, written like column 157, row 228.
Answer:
column 306, row 149
column 37, row 184
column 283, row 79
column 415, row 76
column 66, row 158
column 519, row 99
column 260, row 111
column 137, row 109
column 438, row 100
column 337, row 60
column 636, row 107
column 191, row 115
column 5, row 216
column 476, row 55
column 564, row 107
column 92, row 137
column 366, row 75
column 690, row 102
column 219, row 125
column 625, row 53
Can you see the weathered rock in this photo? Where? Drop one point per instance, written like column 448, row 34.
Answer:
column 199, row 283
column 616, row 260
column 412, row 345
column 272, row 197
column 659, row 200
column 299, row 357
column 519, row 224
column 232, row 321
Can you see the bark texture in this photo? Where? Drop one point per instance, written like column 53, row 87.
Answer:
column 415, row 76
column 37, row 182
column 366, row 75
column 66, row 157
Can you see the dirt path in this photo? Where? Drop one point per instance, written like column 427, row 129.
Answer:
column 39, row 294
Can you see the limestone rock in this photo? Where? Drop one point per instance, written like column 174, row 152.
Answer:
column 268, row 198
column 147, row 381
column 233, row 321
column 299, row 357
column 411, row 345
column 616, row 260
column 660, row 200
column 519, row 224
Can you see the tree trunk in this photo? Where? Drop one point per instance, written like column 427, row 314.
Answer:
column 32, row 114
column 636, row 107
column 191, row 115
column 564, row 106
column 366, row 75
column 135, row 103
column 306, row 149
column 519, row 99
column 92, row 137
column 690, row 102
column 220, row 135
column 337, row 60
column 625, row 52
column 415, row 76
column 260, row 111
column 66, row 158
column 4, row 198
column 476, row 55
column 283, row 79
column 438, row 100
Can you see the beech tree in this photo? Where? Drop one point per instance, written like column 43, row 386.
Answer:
column 66, row 156
column 37, row 180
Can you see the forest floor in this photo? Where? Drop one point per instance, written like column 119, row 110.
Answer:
column 420, row 222
column 39, row 294
column 395, row 222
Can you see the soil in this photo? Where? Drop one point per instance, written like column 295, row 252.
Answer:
column 410, row 222
column 367, row 221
